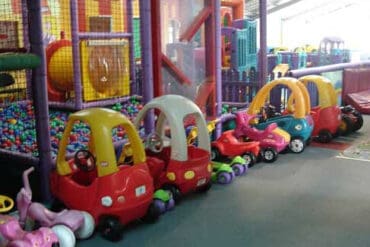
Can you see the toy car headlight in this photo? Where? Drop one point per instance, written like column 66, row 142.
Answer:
column 298, row 127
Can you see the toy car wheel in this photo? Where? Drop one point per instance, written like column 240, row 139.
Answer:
column 215, row 153
column 359, row 122
column 111, row 228
column 324, row 136
column 246, row 168
column 269, row 155
column 224, row 178
column 176, row 194
column 296, row 145
column 156, row 208
column 238, row 169
column 346, row 125
column 250, row 159
column 170, row 204
column 87, row 228
column 161, row 205
column 65, row 236
column 205, row 187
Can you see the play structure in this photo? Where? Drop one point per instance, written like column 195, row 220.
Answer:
column 92, row 57
column 184, row 59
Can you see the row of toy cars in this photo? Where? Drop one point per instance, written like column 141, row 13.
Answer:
column 114, row 187
column 142, row 179
column 273, row 132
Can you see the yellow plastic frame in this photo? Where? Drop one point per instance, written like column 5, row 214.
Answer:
column 299, row 92
column 101, row 122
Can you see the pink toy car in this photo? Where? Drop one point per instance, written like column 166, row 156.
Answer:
column 272, row 140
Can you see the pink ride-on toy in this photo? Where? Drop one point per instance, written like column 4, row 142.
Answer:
column 272, row 140
column 13, row 235
column 66, row 224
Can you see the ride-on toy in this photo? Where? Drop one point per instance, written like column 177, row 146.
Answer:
column 299, row 124
column 174, row 165
column 222, row 172
column 326, row 115
column 228, row 146
column 272, row 140
column 92, row 180
column 237, row 163
column 66, row 224
column 13, row 235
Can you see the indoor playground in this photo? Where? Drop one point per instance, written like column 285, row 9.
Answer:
column 184, row 122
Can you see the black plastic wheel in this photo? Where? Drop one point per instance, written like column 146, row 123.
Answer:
column 250, row 159
column 324, row 136
column 110, row 228
column 269, row 155
column 153, row 213
column 176, row 194
column 346, row 125
column 359, row 122
column 205, row 187
column 215, row 153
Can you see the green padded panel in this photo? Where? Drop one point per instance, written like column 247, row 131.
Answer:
column 17, row 61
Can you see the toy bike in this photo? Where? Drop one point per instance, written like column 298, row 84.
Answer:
column 66, row 224
column 13, row 235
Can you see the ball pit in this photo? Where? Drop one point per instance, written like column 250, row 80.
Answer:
column 18, row 128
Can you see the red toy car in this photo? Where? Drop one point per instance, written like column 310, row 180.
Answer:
column 227, row 145
column 326, row 115
column 326, row 122
column 175, row 165
column 93, row 181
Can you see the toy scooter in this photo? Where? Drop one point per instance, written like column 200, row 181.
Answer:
column 66, row 224
column 12, row 234
column 272, row 139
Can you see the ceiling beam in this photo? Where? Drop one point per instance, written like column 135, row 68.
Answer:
column 282, row 6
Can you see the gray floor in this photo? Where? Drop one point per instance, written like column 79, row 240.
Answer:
column 308, row 199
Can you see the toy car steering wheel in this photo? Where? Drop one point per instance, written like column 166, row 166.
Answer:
column 6, row 203
column 84, row 160
column 155, row 143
